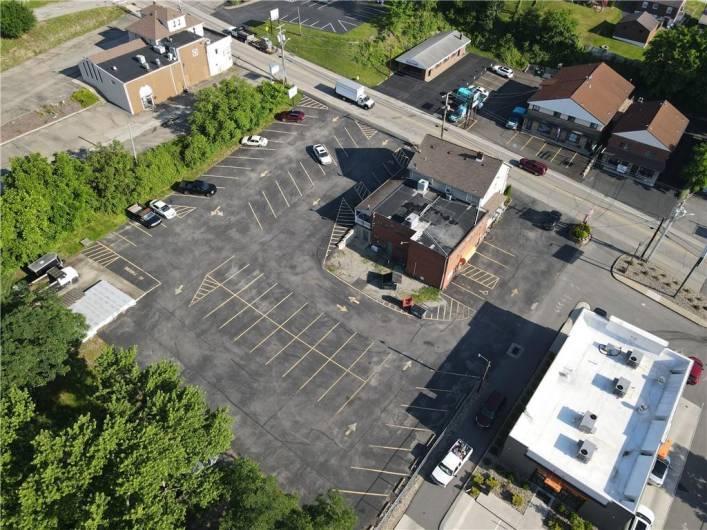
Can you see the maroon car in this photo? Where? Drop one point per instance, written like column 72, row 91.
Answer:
column 695, row 372
column 533, row 166
column 291, row 115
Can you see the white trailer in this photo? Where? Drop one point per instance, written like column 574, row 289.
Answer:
column 354, row 92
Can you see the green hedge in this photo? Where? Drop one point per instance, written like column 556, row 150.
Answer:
column 45, row 201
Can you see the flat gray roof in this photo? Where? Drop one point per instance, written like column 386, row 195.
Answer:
column 434, row 50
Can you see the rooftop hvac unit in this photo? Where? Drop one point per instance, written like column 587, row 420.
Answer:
column 633, row 358
column 588, row 422
column 411, row 220
column 586, row 450
column 170, row 56
column 159, row 48
column 141, row 59
column 423, row 185
column 157, row 61
column 621, row 386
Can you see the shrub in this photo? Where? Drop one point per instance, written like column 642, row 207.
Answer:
column 84, row 97
column 479, row 480
column 474, row 492
column 507, row 191
column 16, row 19
column 492, row 483
column 581, row 231
column 517, row 500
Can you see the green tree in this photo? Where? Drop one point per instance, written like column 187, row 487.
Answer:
column 16, row 19
column 695, row 172
column 136, row 460
column 548, row 35
column 112, row 177
column 675, row 65
column 331, row 512
column 38, row 335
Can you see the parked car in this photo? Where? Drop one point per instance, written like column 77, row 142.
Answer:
column 452, row 462
column 197, row 187
column 503, row 71
column 696, row 371
column 322, row 154
column 163, row 209
column 145, row 216
column 230, row 31
column 659, row 471
column 291, row 115
column 254, row 141
column 643, row 520
column 493, row 404
column 552, row 220
column 532, row 166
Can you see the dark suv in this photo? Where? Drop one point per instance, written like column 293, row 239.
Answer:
column 532, row 166
column 493, row 404
column 291, row 115
column 197, row 187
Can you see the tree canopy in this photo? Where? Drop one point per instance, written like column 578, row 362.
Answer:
column 695, row 171
column 15, row 19
column 38, row 335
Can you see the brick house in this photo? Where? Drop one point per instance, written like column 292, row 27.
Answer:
column 167, row 53
column 669, row 12
column 432, row 57
column 432, row 221
column 637, row 28
column 574, row 107
column 643, row 140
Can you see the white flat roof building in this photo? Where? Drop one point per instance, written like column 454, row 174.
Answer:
column 614, row 388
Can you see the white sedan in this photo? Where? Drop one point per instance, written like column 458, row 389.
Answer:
column 163, row 209
column 255, row 141
column 322, row 154
column 503, row 71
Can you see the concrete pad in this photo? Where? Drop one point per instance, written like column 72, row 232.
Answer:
column 468, row 514
column 408, row 523
column 682, row 431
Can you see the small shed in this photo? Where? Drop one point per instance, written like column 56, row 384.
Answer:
column 432, row 57
column 637, row 28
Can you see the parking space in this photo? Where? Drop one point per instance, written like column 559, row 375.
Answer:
column 332, row 16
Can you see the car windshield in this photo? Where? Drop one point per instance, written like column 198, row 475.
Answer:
column 446, row 470
column 200, row 184
column 164, row 208
column 660, row 468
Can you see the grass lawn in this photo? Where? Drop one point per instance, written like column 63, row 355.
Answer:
column 50, row 33
column 34, row 4
column 334, row 51
column 694, row 8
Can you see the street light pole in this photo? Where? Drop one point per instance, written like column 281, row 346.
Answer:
column 677, row 213
column 486, row 371
column 444, row 115
column 281, row 39
column 694, row 267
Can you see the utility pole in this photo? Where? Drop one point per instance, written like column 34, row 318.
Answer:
column 694, row 267
column 660, row 225
column 444, row 116
column 486, row 371
column 299, row 20
column 282, row 39
column 132, row 142
column 677, row 213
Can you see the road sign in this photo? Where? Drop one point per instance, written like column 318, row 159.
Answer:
column 274, row 68
column 292, row 92
column 274, row 14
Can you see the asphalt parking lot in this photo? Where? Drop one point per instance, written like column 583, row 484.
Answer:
column 336, row 17
column 329, row 389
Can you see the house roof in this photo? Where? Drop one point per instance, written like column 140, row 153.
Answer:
column 643, row 18
column 123, row 63
column 703, row 19
column 595, row 87
column 435, row 49
column 153, row 24
column 455, row 165
column 626, row 429
column 660, row 118
column 670, row 3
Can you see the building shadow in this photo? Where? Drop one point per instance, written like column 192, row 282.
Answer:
column 604, row 28
column 112, row 37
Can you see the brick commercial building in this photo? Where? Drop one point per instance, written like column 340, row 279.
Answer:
column 637, row 28
column 432, row 222
column 432, row 57
column 168, row 52
column 643, row 140
column 590, row 434
column 577, row 104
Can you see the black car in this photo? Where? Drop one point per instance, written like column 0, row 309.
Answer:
column 197, row 187
column 552, row 220
column 490, row 409
column 243, row 34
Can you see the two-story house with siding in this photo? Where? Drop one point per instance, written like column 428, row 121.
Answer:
column 643, row 140
column 575, row 106
column 669, row 12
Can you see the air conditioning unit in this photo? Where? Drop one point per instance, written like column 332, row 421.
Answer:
column 423, row 185
column 621, row 386
column 633, row 358
column 141, row 59
column 411, row 220
column 159, row 48
column 586, row 450
column 588, row 422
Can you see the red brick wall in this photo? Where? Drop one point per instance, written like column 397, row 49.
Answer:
column 636, row 150
column 383, row 231
column 425, row 264
column 466, row 247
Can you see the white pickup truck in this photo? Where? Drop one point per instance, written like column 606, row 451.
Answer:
column 450, row 465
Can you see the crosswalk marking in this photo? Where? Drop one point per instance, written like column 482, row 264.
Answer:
column 343, row 223
column 367, row 131
column 309, row 103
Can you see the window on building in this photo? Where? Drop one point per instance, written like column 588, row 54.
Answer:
column 649, row 154
column 655, row 7
column 544, row 128
column 534, row 107
column 644, row 5
column 593, row 125
column 623, row 145
column 573, row 138
column 668, row 10
column 557, row 114
column 570, row 118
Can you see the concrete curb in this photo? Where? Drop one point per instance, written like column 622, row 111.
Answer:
column 662, row 300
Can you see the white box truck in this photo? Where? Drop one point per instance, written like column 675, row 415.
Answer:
column 355, row 92
column 450, row 465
